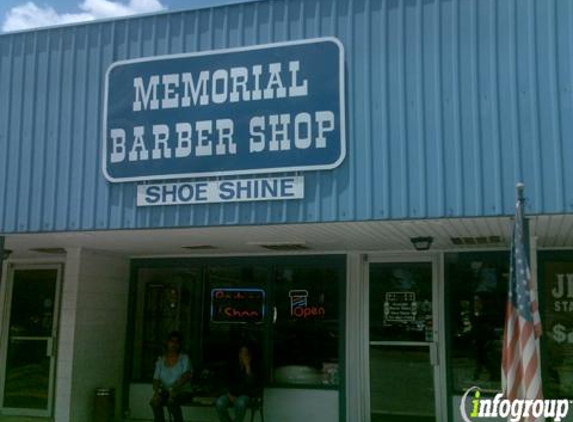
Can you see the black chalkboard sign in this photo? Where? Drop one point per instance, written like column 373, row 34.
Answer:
column 232, row 305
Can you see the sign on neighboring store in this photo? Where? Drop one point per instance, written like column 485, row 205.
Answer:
column 558, row 324
column 235, row 305
column 400, row 307
column 262, row 109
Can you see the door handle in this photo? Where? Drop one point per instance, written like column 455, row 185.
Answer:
column 434, row 356
column 50, row 346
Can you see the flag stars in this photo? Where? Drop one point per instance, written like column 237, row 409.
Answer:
column 521, row 291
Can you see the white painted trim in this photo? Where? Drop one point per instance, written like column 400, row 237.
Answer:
column 398, row 253
column 36, row 261
column 66, row 340
column 365, row 276
column 399, row 257
column 438, row 309
column 401, row 343
column 441, row 376
column 342, row 111
column 356, row 334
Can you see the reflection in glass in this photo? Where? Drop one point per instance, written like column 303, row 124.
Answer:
column 299, row 327
column 401, row 302
column 401, row 376
column 167, row 301
column 220, row 339
column 478, row 290
column 28, row 361
column 306, row 330
column 557, row 318
column 33, row 295
column 402, row 382
column 27, row 375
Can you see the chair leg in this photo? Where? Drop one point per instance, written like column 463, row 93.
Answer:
column 254, row 411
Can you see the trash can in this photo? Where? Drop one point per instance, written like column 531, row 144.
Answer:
column 104, row 405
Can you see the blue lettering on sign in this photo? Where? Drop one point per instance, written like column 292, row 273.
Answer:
column 177, row 193
column 226, row 191
column 257, row 189
column 153, row 194
column 271, row 108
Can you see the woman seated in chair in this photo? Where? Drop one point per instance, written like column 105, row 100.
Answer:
column 172, row 371
column 241, row 388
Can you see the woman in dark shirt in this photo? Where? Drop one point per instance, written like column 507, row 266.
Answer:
column 241, row 388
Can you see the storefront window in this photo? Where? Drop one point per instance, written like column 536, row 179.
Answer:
column 556, row 271
column 168, row 299
column 287, row 310
column 477, row 285
column 234, row 311
column 306, row 325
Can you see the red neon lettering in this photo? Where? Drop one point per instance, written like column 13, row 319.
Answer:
column 236, row 313
column 308, row 311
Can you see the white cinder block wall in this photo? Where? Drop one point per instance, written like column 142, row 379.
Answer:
column 92, row 331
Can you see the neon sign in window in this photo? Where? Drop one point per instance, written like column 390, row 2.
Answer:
column 234, row 305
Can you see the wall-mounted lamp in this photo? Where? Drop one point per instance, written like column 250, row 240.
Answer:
column 6, row 253
column 422, row 243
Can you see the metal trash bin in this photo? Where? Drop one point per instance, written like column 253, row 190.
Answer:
column 104, row 405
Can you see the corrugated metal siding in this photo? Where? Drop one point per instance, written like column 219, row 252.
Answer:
column 449, row 104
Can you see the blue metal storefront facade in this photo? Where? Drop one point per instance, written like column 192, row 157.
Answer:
column 449, row 103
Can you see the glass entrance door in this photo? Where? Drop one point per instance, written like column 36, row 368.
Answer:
column 403, row 347
column 29, row 341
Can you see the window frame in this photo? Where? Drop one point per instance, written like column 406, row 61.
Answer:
column 337, row 261
column 448, row 313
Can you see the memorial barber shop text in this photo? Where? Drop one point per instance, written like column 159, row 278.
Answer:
column 263, row 109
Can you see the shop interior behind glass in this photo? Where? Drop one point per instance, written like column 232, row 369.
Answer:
column 288, row 310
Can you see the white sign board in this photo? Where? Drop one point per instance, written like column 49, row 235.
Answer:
column 217, row 191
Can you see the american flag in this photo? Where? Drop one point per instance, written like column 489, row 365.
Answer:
column 521, row 366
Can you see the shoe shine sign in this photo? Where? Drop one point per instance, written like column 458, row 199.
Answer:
column 273, row 108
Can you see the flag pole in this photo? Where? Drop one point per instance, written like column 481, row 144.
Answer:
column 520, row 187
column 521, row 373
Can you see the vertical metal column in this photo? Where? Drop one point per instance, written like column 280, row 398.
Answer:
column 1, row 255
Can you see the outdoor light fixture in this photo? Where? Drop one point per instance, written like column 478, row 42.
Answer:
column 6, row 254
column 422, row 243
